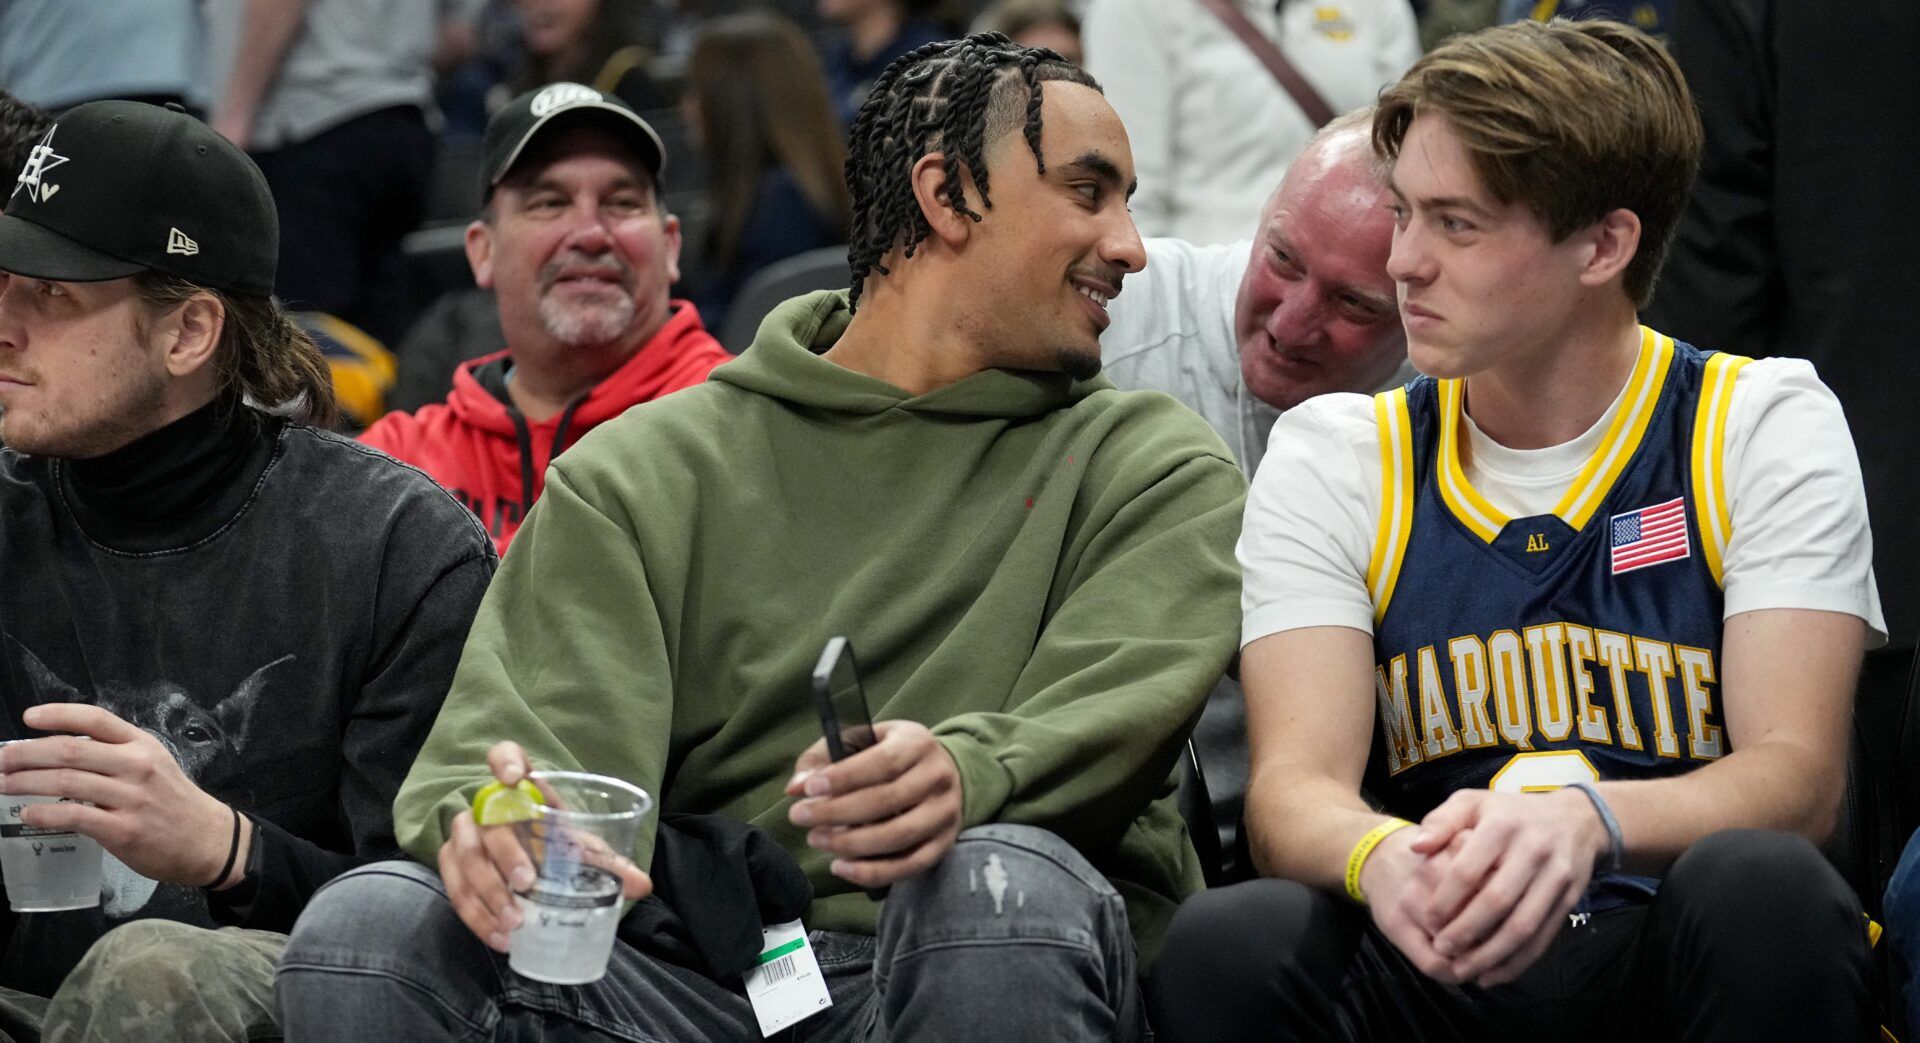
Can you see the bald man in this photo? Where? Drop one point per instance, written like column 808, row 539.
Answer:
column 1242, row 331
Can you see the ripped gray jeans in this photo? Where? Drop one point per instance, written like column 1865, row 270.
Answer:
column 1012, row 936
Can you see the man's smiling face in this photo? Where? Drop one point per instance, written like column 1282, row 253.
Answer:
column 1053, row 248
column 576, row 246
column 1316, row 310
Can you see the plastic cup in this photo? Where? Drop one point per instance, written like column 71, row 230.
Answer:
column 568, row 917
column 45, row 870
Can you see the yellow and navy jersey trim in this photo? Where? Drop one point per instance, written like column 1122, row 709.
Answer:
column 1396, row 497
column 1602, row 470
column 1711, row 508
column 1400, row 468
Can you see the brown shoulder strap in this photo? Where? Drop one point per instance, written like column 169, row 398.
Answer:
column 1311, row 103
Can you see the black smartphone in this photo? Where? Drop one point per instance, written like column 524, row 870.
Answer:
column 844, row 718
column 841, row 701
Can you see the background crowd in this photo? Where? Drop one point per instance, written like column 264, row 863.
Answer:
column 366, row 118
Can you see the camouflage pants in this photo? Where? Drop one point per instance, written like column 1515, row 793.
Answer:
column 161, row 980
column 20, row 1016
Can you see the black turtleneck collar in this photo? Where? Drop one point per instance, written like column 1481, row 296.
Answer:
column 175, row 486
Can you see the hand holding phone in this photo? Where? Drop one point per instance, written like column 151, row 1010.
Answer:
column 841, row 702
column 886, row 814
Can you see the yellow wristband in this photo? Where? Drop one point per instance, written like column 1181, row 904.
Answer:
column 1358, row 859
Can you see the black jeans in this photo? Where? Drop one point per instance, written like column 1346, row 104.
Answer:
column 1752, row 937
column 346, row 197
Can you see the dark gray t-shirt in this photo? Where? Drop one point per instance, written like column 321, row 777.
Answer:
column 289, row 637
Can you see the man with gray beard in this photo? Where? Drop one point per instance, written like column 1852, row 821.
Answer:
column 580, row 255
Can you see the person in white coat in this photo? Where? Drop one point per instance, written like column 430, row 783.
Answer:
column 1212, row 130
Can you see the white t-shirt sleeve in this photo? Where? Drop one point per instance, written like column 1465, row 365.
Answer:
column 1308, row 532
column 1800, row 537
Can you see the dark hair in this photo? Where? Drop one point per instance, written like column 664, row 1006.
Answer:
column 1571, row 119
column 763, row 106
column 21, row 128
column 1014, row 17
column 953, row 97
column 262, row 355
column 949, row 16
column 618, row 26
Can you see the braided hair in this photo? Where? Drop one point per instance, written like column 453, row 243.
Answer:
column 954, row 97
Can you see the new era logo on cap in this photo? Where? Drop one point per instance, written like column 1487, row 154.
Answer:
column 178, row 243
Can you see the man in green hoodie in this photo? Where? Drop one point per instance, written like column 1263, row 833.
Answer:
column 1036, row 569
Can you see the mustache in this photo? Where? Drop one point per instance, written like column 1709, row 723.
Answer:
column 581, row 264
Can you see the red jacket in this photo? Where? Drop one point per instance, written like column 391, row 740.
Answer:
column 494, row 460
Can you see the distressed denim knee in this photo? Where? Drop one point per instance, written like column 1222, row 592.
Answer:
column 1007, row 881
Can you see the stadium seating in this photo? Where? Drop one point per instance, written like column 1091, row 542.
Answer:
column 822, row 269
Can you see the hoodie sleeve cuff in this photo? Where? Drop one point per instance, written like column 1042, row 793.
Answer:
column 984, row 783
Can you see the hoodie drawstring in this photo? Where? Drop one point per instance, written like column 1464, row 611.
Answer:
column 525, row 434
column 526, row 460
column 560, row 429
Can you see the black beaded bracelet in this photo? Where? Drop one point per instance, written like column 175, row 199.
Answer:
column 233, row 852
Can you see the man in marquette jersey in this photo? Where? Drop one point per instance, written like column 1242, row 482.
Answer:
column 1582, row 606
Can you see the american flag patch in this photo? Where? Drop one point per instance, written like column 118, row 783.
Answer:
column 1650, row 535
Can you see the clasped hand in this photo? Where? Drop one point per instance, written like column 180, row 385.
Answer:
column 886, row 813
column 1484, row 884
column 140, row 805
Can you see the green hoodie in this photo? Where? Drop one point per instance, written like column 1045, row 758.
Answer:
column 1040, row 571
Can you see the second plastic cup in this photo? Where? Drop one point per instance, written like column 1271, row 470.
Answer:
column 45, row 870
column 568, row 917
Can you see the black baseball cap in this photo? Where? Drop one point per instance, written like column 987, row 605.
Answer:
column 121, row 187
column 518, row 122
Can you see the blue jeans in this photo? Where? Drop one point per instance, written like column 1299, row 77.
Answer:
column 1901, row 910
column 380, row 954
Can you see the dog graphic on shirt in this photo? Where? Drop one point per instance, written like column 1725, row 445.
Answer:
column 205, row 742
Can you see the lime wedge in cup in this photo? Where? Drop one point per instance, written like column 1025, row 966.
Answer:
column 498, row 805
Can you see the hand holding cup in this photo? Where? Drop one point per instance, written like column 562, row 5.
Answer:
column 485, row 866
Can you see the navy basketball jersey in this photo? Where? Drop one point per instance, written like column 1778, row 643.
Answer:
column 1522, row 654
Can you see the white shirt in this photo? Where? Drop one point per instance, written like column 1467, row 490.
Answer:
column 1212, row 131
column 1799, row 511
column 1172, row 331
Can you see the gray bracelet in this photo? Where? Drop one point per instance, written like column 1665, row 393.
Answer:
column 1616, row 846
